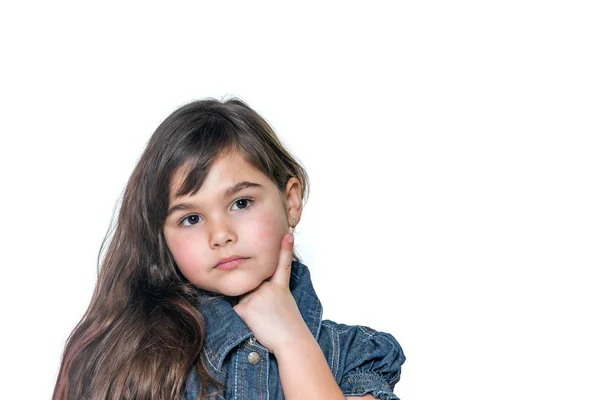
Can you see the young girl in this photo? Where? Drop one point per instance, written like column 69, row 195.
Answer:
column 200, row 293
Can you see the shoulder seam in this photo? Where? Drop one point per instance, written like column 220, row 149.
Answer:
column 370, row 332
column 339, row 330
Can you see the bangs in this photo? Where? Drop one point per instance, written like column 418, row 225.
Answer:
column 195, row 168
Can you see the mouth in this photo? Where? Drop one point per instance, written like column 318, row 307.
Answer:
column 230, row 262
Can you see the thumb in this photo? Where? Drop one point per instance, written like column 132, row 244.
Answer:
column 284, row 268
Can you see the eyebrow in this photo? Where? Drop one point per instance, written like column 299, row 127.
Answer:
column 230, row 191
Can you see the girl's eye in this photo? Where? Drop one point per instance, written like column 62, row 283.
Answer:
column 190, row 218
column 245, row 202
column 193, row 219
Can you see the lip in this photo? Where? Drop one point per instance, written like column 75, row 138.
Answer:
column 230, row 262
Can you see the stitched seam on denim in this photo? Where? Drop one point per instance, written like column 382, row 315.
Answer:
column 368, row 333
column 216, row 355
column 210, row 361
column 209, row 350
column 315, row 312
column 237, row 339
column 362, row 387
column 334, row 328
column 372, row 390
column 332, row 353
column 237, row 355
column 365, row 391
column 337, row 353
column 256, row 347
column 242, row 381
column 260, row 382
column 319, row 318
column 212, row 354
column 267, row 362
column 364, row 383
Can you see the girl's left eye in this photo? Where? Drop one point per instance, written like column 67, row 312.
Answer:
column 244, row 201
column 242, row 204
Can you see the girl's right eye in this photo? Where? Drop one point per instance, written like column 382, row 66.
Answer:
column 192, row 217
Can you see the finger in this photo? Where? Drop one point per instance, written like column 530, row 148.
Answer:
column 246, row 297
column 284, row 268
column 240, row 310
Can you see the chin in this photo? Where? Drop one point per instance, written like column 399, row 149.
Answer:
column 234, row 290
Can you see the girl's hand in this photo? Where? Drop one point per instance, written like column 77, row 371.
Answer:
column 270, row 310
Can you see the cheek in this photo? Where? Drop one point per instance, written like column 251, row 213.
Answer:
column 183, row 253
column 266, row 231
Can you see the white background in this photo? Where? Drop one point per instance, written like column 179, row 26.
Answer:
column 452, row 147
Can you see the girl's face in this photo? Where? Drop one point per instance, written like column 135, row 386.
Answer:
column 238, row 211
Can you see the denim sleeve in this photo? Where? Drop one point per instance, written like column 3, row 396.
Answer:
column 370, row 362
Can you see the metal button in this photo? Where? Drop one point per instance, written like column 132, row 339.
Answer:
column 253, row 357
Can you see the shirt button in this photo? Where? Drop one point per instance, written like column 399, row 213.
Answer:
column 253, row 357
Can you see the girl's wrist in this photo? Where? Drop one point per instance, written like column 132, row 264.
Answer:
column 292, row 344
column 303, row 357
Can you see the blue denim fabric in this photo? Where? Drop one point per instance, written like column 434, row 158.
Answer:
column 362, row 360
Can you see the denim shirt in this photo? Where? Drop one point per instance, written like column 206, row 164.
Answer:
column 362, row 360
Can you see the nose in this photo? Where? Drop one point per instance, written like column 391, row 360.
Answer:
column 221, row 233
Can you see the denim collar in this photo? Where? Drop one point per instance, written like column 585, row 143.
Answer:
column 225, row 329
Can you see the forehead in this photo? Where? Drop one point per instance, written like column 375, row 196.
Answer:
column 225, row 171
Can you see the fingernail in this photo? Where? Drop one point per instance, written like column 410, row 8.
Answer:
column 291, row 238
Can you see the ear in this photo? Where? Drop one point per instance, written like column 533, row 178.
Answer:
column 293, row 199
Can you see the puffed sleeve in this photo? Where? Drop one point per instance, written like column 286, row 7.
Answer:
column 370, row 362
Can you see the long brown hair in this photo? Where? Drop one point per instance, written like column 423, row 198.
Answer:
column 142, row 332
